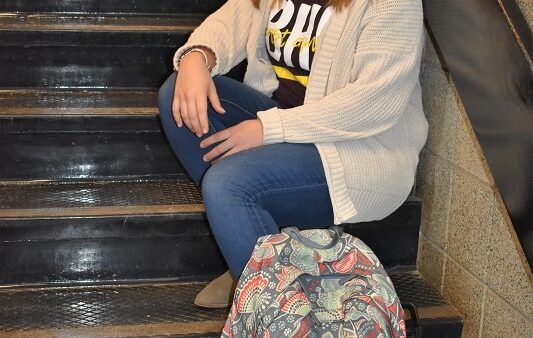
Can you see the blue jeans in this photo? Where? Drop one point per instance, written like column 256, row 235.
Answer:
column 253, row 192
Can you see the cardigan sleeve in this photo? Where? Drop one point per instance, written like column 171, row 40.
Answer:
column 386, row 65
column 225, row 32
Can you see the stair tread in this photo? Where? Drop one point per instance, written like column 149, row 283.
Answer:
column 44, row 22
column 52, row 102
column 98, row 198
column 156, row 308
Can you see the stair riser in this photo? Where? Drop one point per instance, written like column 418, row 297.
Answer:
column 33, row 58
column 86, row 156
column 144, row 247
column 395, row 238
column 80, row 148
column 438, row 328
column 87, row 67
column 90, row 59
column 107, row 249
column 103, row 249
column 107, row 6
column 109, row 259
column 142, row 123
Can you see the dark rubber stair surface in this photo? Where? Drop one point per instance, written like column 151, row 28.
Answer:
column 165, row 309
column 45, row 199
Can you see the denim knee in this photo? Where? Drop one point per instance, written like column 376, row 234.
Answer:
column 214, row 185
column 223, row 183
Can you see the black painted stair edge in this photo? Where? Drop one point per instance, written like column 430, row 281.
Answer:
column 160, row 7
column 166, row 309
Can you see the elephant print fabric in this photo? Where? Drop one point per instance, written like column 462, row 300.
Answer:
column 289, row 289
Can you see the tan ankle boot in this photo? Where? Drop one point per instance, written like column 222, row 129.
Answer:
column 218, row 293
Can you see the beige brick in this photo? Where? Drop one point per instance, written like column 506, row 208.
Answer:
column 470, row 218
column 466, row 294
column 503, row 321
column 468, row 154
column 430, row 262
column 441, row 111
column 507, row 271
column 526, row 7
column 430, row 55
column 434, row 188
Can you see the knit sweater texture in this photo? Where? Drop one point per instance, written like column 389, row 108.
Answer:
column 363, row 104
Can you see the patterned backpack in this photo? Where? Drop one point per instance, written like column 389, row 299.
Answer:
column 314, row 283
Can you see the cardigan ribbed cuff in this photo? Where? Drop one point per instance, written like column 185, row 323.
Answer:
column 214, row 71
column 272, row 127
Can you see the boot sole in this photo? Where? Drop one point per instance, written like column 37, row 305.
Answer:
column 211, row 306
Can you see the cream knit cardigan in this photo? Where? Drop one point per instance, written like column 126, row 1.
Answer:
column 362, row 107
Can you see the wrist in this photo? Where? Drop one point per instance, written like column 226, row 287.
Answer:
column 193, row 58
column 199, row 53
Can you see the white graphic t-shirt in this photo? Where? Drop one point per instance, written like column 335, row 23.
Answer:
column 292, row 39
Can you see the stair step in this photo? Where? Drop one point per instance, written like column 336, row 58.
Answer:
column 101, row 231
column 87, row 155
column 98, row 198
column 115, row 6
column 65, row 22
column 80, row 134
column 37, row 102
column 166, row 309
column 90, row 51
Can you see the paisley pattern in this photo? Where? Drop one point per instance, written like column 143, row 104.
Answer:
column 290, row 290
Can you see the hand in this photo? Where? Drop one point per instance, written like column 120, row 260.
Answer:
column 194, row 86
column 245, row 135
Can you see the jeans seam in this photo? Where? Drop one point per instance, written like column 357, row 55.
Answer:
column 265, row 192
column 238, row 106
column 260, row 221
column 211, row 124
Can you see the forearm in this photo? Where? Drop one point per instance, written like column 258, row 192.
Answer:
column 370, row 105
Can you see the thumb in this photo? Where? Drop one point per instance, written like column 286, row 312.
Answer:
column 214, row 100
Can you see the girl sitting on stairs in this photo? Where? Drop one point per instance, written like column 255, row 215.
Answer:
column 326, row 128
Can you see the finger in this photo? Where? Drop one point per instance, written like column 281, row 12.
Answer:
column 184, row 113
column 215, row 138
column 213, row 98
column 201, row 106
column 176, row 112
column 218, row 150
column 232, row 151
column 193, row 116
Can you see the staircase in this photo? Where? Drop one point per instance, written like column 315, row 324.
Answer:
column 102, row 234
